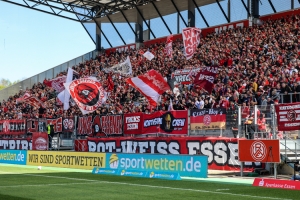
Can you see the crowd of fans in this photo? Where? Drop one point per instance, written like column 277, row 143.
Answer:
column 258, row 65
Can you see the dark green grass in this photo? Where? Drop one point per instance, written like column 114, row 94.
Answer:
column 28, row 183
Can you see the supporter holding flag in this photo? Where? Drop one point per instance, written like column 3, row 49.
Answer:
column 169, row 46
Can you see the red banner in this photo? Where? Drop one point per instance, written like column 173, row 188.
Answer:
column 80, row 145
column 205, row 78
column 34, row 101
column 171, row 122
column 267, row 151
column 16, row 144
column 57, row 123
column 182, row 76
column 40, row 141
column 275, row 183
column 84, row 125
column 133, row 123
column 222, row 152
column 288, row 116
column 205, row 119
column 12, row 127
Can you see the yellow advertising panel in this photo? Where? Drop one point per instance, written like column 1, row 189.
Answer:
column 77, row 160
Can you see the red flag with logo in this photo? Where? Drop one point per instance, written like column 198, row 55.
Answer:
column 87, row 93
column 191, row 39
column 110, row 83
column 205, row 78
column 56, row 83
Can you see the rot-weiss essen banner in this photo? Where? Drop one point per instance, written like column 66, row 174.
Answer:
column 208, row 119
column 222, row 152
column 13, row 127
column 170, row 122
column 288, row 116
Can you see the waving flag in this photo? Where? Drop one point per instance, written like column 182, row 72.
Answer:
column 56, row 83
column 148, row 55
column 123, row 68
column 206, row 77
column 151, row 85
column 63, row 96
column 34, row 101
column 169, row 48
column 21, row 99
column 87, row 93
column 191, row 39
column 110, row 83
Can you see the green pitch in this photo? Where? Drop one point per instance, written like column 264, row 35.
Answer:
column 29, row 183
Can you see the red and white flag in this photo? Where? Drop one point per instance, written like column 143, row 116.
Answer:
column 169, row 46
column 288, row 116
column 151, row 85
column 206, row 77
column 87, row 93
column 34, row 101
column 21, row 99
column 56, row 83
column 191, row 39
column 110, row 83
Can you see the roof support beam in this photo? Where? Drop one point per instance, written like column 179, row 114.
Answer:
column 272, row 6
column 161, row 17
column 145, row 21
column 179, row 13
column 226, row 17
column 247, row 9
column 201, row 14
column 116, row 29
column 99, row 27
column 128, row 23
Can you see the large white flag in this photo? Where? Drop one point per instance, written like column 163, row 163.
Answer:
column 63, row 96
column 191, row 39
column 123, row 68
column 87, row 93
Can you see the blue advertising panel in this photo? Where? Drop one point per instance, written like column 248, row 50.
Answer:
column 185, row 165
column 13, row 157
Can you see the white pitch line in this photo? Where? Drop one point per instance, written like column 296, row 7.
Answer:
column 221, row 189
column 141, row 185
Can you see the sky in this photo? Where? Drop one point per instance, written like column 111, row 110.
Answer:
column 32, row 42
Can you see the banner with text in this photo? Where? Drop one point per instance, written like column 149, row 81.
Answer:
column 222, row 152
column 288, row 116
column 12, row 127
column 208, row 119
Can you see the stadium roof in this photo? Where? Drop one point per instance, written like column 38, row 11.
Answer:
column 88, row 10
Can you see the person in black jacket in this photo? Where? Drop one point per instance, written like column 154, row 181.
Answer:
column 50, row 131
column 296, row 90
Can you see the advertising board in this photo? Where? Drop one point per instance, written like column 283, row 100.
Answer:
column 185, row 165
column 13, row 157
column 77, row 160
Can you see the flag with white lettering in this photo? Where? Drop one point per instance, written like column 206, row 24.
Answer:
column 205, row 78
column 87, row 93
column 191, row 39
column 288, row 116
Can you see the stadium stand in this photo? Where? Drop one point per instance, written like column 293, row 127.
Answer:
column 259, row 65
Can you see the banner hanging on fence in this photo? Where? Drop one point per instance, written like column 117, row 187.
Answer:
column 37, row 125
column 288, row 116
column 205, row 119
column 222, row 152
column 57, row 123
column 68, row 124
column 171, row 122
column 40, row 141
column 133, row 123
column 13, row 127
